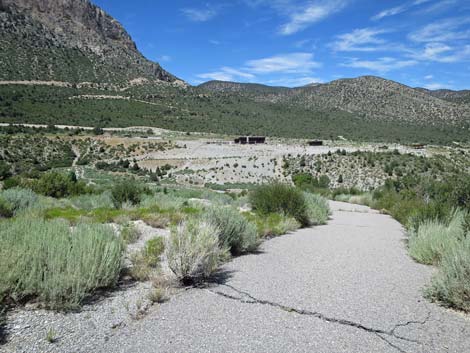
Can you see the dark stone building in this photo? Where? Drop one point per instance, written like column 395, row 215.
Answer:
column 315, row 143
column 250, row 140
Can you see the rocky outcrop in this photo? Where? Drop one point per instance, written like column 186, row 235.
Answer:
column 69, row 40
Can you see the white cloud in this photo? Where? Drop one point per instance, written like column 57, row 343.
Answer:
column 440, row 6
column 360, row 40
column 419, row 2
column 237, row 73
column 381, row 65
column 164, row 58
column 217, row 75
column 287, row 63
column 294, row 82
column 434, row 86
column 214, row 42
column 398, row 9
column 441, row 31
column 311, row 13
column 442, row 53
column 199, row 15
column 309, row 43
column 390, row 12
column 297, row 65
column 429, row 77
column 226, row 74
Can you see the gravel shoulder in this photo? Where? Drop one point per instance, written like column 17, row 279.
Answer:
column 348, row 286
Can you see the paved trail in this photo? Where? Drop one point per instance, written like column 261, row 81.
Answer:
column 345, row 287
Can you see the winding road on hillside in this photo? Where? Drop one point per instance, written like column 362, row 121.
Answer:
column 348, row 286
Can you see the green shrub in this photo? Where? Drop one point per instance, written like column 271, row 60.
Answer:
column 91, row 201
column 235, row 232
column 318, row 209
column 272, row 225
column 11, row 183
column 280, row 198
column 145, row 262
column 5, row 170
column 59, row 185
column 153, row 250
column 306, row 181
column 58, row 265
column 451, row 285
column 126, row 192
column 193, row 250
column 432, row 239
column 19, row 199
column 129, row 233
column 362, row 199
column 6, row 209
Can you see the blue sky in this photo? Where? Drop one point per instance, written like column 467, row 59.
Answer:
column 295, row 42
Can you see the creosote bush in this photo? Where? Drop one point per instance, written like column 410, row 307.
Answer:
column 280, row 198
column 235, row 232
column 58, row 265
column 193, row 250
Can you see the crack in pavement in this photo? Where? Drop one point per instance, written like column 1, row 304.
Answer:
column 382, row 334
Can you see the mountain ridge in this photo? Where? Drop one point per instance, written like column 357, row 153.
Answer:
column 368, row 96
column 71, row 41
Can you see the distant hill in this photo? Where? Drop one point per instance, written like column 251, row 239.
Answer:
column 236, row 87
column 70, row 41
column 368, row 97
column 459, row 97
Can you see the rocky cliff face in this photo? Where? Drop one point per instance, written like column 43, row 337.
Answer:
column 69, row 40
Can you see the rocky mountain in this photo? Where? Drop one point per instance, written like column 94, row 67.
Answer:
column 366, row 97
column 72, row 41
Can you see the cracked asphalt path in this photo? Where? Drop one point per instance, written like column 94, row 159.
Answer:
column 348, row 286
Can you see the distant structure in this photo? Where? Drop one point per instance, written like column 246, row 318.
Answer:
column 250, row 140
column 418, row 146
column 315, row 143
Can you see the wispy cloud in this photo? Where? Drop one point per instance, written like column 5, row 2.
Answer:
column 217, row 76
column 364, row 39
column 286, row 63
column 298, row 66
column 226, row 74
column 199, row 15
column 441, row 5
column 390, row 12
column 311, row 13
column 293, row 82
column 165, row 58
column 436, row 85
column 398, row 9
column 442, row 53
column 382, row 65
column 444, row 30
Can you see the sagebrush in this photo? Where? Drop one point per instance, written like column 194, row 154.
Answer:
column 58, row 265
